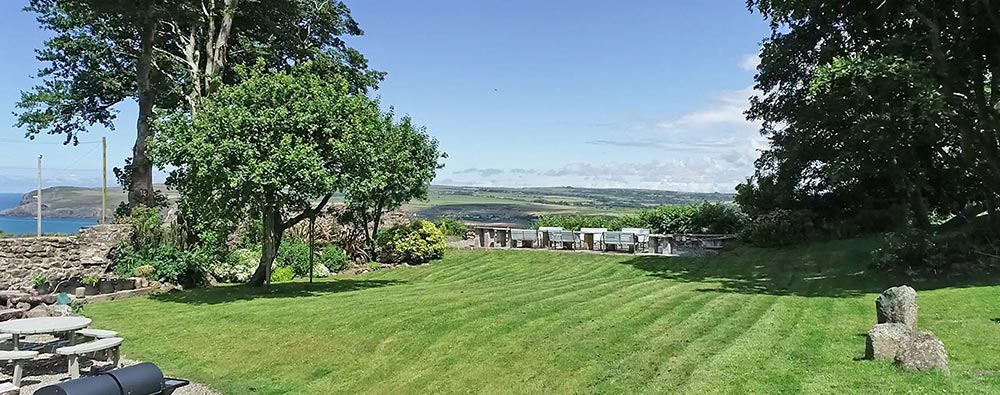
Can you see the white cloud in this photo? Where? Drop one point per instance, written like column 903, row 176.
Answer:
column 750, row 62
column 727, row 109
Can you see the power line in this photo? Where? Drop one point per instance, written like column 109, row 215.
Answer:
column 36, row 142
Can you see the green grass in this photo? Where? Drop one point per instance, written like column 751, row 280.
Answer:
column 747, row 321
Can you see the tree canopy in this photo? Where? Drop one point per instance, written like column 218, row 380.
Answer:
column 878, row 106
column 385, row 168
column 268, row 147
column 167, row 55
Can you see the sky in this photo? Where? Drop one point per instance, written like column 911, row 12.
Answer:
column 632, row 93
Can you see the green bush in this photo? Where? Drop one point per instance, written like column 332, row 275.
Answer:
column 238, row 267
column 294, row 253
column 717, row 218
column 169, row 263
column 282, row 274
column 321, row 271
column 147, row 227
column 575, row 222
column 669, row 219
column 416, row 243
column 144, row 271
column 780, row 227
column 334, row 258
column 452, row 227
column 924, row 254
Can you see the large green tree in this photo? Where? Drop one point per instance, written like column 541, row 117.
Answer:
column 267, row 147
column 873, row 105
column 168, row 54
column 386, row 167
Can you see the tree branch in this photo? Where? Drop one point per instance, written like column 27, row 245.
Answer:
column 307, row 213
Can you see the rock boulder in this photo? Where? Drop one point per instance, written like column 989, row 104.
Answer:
column 923, row 352
column 885, row 341
column 897, row 305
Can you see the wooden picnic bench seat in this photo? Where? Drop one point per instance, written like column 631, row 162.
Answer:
column 18, row 358
column 73, row 353
column 96, row 333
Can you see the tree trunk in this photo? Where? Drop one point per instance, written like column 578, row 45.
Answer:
column 273, row 232
column 141, row 185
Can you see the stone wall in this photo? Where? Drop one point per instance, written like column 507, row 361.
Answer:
column 86, row 253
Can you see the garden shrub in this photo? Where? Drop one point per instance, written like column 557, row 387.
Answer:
column 717, row 218
column 282, row 274
column 919, row 253
column 238, row 267
column 334, row 258
column 452, row 227
column 780, row 227
column 668, row 219
column 575, row 222
column 144, row 271
column 294, row 253
column 416, row 243
column 147, row 227
column 169, row 263
column 321, row 271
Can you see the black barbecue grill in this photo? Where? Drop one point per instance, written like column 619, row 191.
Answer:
column 141, row 379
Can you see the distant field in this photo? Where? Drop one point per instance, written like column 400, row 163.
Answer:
column 513, row 206
column 520, row 206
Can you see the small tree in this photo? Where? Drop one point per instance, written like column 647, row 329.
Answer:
column 385, row 168
column 266, row 147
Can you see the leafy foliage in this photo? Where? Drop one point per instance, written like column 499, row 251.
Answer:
column 334, row 258
column 390, row 164
column 877, row 107
column 668, row 219
column 452, row 227
column 294, row 253
column 923, row 254
column 416, row 243
column 170, row 263
column 238, row 266
column 282, row 274
column 268, row 146
column 781, row 227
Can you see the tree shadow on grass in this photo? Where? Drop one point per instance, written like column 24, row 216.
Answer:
column 829, row 269
column 232, row 293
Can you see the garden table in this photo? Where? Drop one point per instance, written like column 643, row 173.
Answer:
column 42, row 326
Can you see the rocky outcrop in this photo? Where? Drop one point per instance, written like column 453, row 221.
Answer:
column 87, row 253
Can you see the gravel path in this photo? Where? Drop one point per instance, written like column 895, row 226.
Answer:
column 46, row 371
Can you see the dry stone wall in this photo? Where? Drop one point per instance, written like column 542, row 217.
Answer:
column 86, row 253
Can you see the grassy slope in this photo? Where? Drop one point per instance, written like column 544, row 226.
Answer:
column 748, row 321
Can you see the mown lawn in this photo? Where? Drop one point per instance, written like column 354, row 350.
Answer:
column 747, row 321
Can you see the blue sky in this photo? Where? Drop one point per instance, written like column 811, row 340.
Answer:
column 638, row 93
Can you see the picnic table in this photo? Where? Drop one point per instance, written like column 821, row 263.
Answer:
column 42, row 326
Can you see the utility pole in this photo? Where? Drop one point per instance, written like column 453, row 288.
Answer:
column 38, row 197
column 104, row 176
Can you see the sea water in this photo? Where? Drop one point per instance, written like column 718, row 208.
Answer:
column 28, row 225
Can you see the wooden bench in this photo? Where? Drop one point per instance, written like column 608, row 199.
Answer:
column 73, row 353
column 18, row 358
